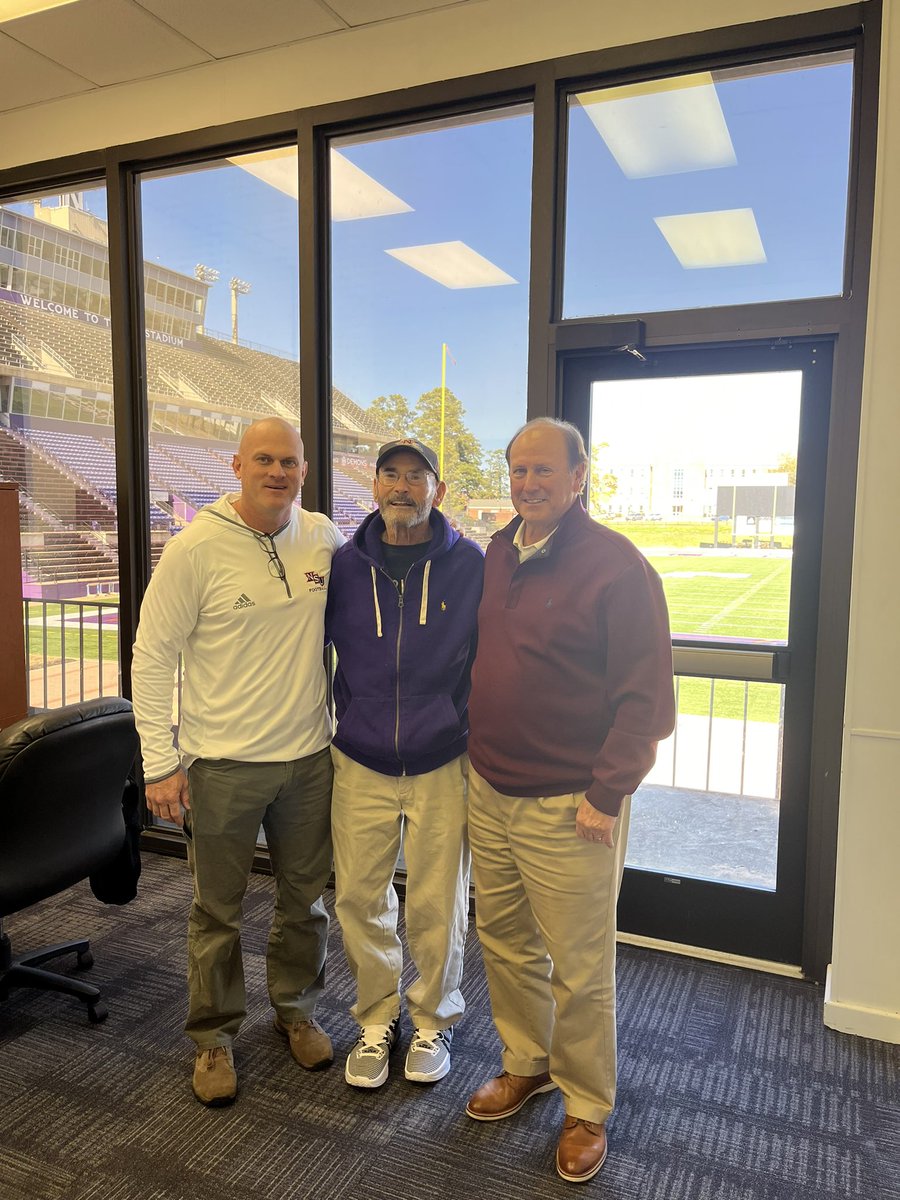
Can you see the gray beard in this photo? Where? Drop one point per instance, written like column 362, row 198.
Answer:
column 405, row 516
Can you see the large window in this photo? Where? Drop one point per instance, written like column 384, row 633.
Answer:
column 221, row 310
column 430, row 270
column 719, row 187
column 56, row 440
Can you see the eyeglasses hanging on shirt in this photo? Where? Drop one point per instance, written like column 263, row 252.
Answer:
column 266, row 542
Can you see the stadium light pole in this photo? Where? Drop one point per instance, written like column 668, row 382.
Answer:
column 208, row 275
column 239, row 287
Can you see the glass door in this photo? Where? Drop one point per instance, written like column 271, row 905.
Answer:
column 712, row 461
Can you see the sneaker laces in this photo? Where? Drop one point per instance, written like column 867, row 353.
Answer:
column 374, row 1040
column 426, row 1039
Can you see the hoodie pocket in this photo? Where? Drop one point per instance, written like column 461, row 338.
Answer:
column 368, row 726
column 427, row 725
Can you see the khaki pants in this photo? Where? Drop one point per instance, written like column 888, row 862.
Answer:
column 545, row 907
column 369, row 811
column 229, row 802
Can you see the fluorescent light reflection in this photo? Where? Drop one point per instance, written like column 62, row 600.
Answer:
column 662, row 126
column 729, row 238
column 453, row 264
column 354, row 194
column 11, row 9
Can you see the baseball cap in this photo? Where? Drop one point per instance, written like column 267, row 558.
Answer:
column 414, row 446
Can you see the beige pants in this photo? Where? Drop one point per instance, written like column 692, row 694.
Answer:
column 229, row 802
column 545, row 906
column 369, row 812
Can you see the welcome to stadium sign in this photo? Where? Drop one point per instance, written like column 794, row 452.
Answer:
column 88, row 318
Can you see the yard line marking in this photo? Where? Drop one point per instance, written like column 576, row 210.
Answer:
column 707, row 626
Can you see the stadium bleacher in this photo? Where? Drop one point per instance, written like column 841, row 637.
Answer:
column 66, row 472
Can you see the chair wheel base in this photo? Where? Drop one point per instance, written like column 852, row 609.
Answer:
column 97, row 1013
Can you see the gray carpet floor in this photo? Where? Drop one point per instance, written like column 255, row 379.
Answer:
column 730, row 1087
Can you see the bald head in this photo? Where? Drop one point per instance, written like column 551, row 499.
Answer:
column 266, row 428
column 271, row 469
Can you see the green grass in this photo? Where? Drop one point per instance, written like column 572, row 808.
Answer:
column 726, row 597
column 716, row 596
column 648, row 535
column 763, row 700
column 84, row 645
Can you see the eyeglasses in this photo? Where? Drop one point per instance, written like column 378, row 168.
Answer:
column 276, row 567
column 389, row 476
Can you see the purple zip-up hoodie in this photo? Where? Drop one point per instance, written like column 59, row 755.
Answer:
column 401, row 688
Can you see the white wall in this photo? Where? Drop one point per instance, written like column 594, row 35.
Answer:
column 864, row 992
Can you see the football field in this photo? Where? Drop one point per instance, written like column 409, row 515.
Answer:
column 726, row 596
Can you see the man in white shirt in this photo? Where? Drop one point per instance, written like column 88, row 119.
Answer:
column 240, row 593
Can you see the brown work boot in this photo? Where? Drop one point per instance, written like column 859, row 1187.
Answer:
column 505, row 1095
column 581, row 1151
column 215, row 1079
column 310, row 1044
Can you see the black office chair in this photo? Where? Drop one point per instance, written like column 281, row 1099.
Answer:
column 64, row 775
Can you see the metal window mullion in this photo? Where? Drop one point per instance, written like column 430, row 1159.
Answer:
column 81, row 652
column 709, row 735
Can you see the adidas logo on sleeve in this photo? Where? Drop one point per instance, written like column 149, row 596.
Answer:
column 244, row 601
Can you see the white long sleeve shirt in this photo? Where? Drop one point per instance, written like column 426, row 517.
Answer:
column 254, row 685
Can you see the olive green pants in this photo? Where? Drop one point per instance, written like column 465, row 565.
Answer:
column 229, row 802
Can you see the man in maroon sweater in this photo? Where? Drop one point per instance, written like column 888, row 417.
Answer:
column 571, row 691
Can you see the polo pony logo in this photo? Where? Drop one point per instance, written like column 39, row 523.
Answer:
column 316, row 578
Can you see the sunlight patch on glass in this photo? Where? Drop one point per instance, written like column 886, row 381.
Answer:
column 728, row 238
column 453, row 264
column 662, row 126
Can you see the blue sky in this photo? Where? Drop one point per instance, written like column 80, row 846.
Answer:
column 472, row 183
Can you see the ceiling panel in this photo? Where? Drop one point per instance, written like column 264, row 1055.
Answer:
column 29, row 78
column 365, row 12
column 227, row 27
column 106, row 41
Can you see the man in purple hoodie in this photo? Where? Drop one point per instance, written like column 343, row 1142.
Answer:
column 402, row 607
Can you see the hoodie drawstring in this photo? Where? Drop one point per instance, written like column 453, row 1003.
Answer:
column 377, row 605
column 423, row 611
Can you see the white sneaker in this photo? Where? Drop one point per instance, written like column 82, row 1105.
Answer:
column 367, row 1062
column 428, row 1057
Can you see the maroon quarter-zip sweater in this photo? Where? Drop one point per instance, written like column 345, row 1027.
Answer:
column 572, row 685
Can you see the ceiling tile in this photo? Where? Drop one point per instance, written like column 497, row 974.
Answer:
column 29, row 78
column 107, row 41
column 365, row 12
column 227, row 27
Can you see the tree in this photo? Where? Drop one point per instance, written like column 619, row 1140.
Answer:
column 787, row 465
column 604, row 483
column 393, row 412
column 462, row 450
column 495, row 475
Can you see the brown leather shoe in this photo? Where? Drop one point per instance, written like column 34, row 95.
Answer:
column 581, row 1151
column 505, row 1095
column 215, row 1079
column 310, row 1044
